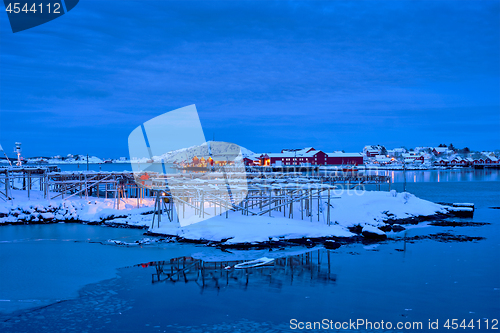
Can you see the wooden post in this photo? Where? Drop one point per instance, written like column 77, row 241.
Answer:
column 310, row 205
column 301, row 193
column 29, row 184
column 319, row 198
column 86, row 189
column 46, row 186
column 283, row 202
column 202, row 204
column 270, row 198
column 328, row 209
column 227, row 209
column 160, row 211
column 7, row 183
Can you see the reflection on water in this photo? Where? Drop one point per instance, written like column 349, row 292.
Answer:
column 40, row 264
column 391, row 281
column 221, row 275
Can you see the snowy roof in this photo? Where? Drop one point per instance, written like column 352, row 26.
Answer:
column 412, row 155
column 374, row 147
column 344, row 154
column 441, row 149
column 298, row 151
column 297, row 154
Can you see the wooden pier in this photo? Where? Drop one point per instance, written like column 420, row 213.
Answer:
column 65, row 185
column 203, row 195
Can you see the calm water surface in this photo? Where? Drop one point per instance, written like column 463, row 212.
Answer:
column 396, row 281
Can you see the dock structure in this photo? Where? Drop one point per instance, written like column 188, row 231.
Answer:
column 200, row 194
column 23, row 178
column 53, row 184
column 272, row 194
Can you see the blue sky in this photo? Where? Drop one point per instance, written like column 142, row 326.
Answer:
column 265, row 75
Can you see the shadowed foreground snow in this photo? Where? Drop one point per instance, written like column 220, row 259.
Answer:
column 368, row 208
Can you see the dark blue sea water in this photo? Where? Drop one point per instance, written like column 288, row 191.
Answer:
column 398, row 281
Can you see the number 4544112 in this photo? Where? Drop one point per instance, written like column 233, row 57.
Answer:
column 50, row 8
column 485, row 324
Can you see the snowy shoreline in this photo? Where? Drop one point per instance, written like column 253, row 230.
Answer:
column 354, row 216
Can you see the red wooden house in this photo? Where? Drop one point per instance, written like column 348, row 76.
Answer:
column 309, row 156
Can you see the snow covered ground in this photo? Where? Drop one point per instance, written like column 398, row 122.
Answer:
column 38, row 209
column 364, row 208
column 367, row 208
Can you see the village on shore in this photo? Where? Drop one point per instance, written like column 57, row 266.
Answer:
column 377, row 156
column 274, row 206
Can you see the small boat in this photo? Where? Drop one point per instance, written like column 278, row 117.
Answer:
column 255, row 263
column 349, row 168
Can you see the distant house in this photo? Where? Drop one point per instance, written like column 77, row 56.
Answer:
column 383, row 159
column 441, row 151
column 372, row 151
column 396, row 152
column 423, row 149
column 344, row 158
column 490, row 160
column 296, row 157
column 486, row 159
column 412, row 157
column 308, row 156
column 441, row 162
column 250, row 161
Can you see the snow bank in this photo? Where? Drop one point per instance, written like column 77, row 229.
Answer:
column 372, row 230
column 375, row 207
column 251, row 229
column 369, row 209
column 22, row 210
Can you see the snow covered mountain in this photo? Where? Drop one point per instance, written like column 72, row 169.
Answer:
column 218, row 150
